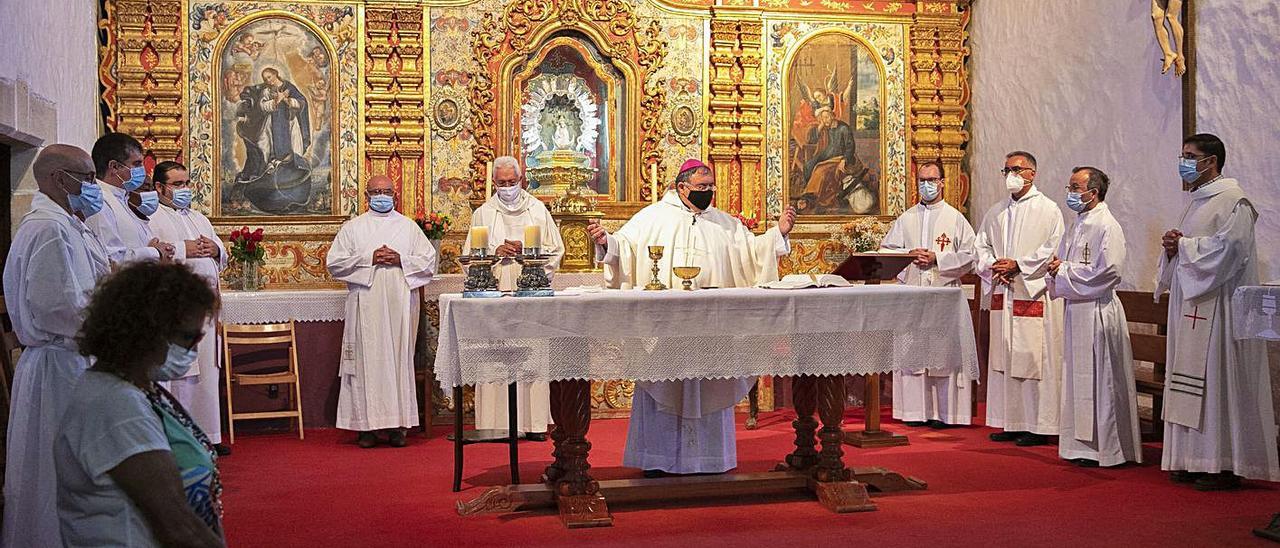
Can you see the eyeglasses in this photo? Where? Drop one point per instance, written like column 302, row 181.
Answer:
column 1190, row 156
column 933, row 181
column 178, row 183
column 1080, row 190
column 1015, row 169
column 82, row 176
column 701, row 188
column 380, row 192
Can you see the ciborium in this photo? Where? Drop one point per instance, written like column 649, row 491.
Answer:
column 655, row 253
column 687, row 274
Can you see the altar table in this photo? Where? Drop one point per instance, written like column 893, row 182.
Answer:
column 815, row 336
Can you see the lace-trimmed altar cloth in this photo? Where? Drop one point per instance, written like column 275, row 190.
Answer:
column 705, row 334
column 1253, row 312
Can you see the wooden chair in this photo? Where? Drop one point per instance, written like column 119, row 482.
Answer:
column 259, row 336
column 981, row 336
column 1140, row 307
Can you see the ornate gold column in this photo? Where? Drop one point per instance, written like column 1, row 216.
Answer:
column 149, row 66
column 751, row 116
column 940, row 93
column 723, row 116
column 395, row 111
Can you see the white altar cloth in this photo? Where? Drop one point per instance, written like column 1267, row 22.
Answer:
column 704, row 334
column 1253, row 312
column 258, row 307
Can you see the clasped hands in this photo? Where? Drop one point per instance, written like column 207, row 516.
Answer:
column 1004, row 271
column 166, row 250
column 923, row 258
column 202, row 248
column 1170, row 242
column 1053, row 265
column 509, row 248
column 386, row 256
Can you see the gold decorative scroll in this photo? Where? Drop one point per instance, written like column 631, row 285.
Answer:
column 940, row 93
column 395, row 107
column 144, row 73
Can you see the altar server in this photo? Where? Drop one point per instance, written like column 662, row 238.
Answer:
column 941, row 240
column 686, row 427
column 52, row 267
column 512, row 216
column 1099, row 420
column 1015, row 242
column 117, row 157
column 384, row 258
column 1219, row 425
column 195, row 245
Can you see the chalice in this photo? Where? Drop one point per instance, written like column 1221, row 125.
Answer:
column 687, row 273
column 655, row 253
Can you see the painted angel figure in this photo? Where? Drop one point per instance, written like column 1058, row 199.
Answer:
column 1163, row 11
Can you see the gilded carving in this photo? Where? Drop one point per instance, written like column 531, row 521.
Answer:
column 395, row 112
column 142, row 73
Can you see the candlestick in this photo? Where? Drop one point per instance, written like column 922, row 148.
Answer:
column 488, row 179
column 479, row 238
column 532, row 236
column 653, row 181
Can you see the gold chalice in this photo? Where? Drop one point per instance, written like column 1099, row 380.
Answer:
column 655, row 253
column 687, row 273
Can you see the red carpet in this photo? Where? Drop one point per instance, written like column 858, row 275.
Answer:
column 325, row 491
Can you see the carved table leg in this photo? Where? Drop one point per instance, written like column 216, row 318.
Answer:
column 753, row 405
column 831, row 479
column 804, row 397
column 577, row 494
column 555, row 470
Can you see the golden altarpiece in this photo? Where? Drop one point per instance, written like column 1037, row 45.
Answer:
column 823, row 105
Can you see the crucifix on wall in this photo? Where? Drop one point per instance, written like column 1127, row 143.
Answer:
column 1175, row 22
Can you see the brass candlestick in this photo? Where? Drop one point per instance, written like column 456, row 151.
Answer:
column 533, row 281
column 687, row 274
column 655, row 253
column 480, row 280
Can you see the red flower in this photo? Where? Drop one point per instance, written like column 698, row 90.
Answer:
column 257, row 235
column 251, row 247
column 235, row 235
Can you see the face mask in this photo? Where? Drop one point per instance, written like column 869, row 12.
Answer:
column 137, row 176
column 1187, row 170
column 149, row 203
column 1075, row 201
column 381, row 203
column 701, row 199
column 509, row 194
column 1014, row 182
column 182, row 198
column 176, row 363
column 89, row 201
column 928, row 191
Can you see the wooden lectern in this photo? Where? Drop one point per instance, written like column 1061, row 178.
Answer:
column 872, row 268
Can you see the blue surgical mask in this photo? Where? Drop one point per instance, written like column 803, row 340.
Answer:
column 1187, row 169
column 137, row 176
column 182, row 198
column 149, row 203
column 1075, row 201
column 89, row 201
column 381, row 203
column 928, row 191
column 176, row 363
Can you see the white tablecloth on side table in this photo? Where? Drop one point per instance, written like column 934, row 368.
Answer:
column 719, row 333
column 258, row 307
column 1253, row 312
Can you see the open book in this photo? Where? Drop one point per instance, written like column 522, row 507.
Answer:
column 801, row 281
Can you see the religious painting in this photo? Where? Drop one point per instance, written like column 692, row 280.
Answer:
column 276, row 121
column 834, row 91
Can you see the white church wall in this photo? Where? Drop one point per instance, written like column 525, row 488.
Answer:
column 1077, row 82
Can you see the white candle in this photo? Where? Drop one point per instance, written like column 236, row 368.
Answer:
column 479, row 238
column 532, row 236
column 488, row 182
column 653, row 181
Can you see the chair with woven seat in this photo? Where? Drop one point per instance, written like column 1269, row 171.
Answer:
column 258, row 337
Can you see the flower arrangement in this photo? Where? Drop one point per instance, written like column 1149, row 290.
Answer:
column 861, row 235
column 246, row 246
column 435, row 225
column 750, row 222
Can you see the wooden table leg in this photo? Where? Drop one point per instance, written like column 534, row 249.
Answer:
column 804, row 399
column 831, row 480
column 753, row 405
column 872, row 435
column 577, row 494
column 457, row 438
column 513, row 431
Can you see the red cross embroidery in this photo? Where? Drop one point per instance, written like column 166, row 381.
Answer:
column 942, row 242
column 1195, row 315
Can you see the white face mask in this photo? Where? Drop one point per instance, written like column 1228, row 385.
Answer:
column 1014, row 182
column 176, row 363
column 509, row 194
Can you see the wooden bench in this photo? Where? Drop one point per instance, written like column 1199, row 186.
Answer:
column 1140, row 308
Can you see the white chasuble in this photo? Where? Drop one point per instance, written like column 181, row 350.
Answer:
column 121, row 231
column 198, row 391
column 687, row 427
column 927, row 394
column 1099, row 417
column 53, row 265
column 377, row 388
column 1025, row 360
column 1218, row 410
column 508, row 222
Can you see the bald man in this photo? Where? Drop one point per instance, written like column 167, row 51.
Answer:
column 52, row 267
column 384, row 258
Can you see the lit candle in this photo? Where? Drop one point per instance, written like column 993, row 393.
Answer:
column 532, row 236
column 479, row 238
column 653, row 181
column 488, row 181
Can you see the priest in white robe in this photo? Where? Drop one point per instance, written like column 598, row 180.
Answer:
column 117, row 157
column 1014, row 245
column 52, row 267
column 687, row 427
column 1098, row 425
column 508, row 214
column 384, row 258
column 197, row 246
column 941, row 240
column 1219, row 424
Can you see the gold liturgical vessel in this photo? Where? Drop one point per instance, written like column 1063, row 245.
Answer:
column 655, row 253
column 687, row 273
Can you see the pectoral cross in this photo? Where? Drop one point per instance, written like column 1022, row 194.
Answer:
column 1195, row 315
column 942, row 242
column 1085, row 259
